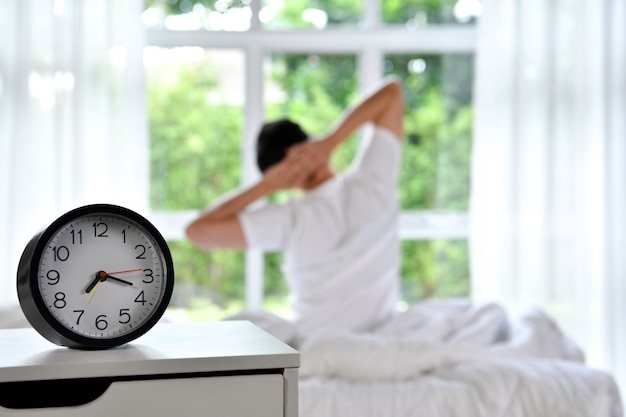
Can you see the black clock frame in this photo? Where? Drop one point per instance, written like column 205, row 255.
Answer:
column 33, row 305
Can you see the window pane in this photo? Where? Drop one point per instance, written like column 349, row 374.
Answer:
column 310, row 14
column 434, row 268
column 312, row 90
column 416, row 13
column 276, row 290
column 209, row 285
column 229, row 15
column 195, row 101
column 438, row 125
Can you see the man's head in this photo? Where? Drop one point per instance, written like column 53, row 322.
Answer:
column 274, row 141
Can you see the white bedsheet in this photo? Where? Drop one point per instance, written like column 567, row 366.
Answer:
column 500, row 388
column 449, row 358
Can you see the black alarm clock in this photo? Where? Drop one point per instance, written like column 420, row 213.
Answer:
column 97, row 277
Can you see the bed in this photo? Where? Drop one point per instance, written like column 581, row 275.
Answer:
column 446, row 358
column 453, row 358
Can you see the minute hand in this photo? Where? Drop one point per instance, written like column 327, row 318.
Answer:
column 119, row 280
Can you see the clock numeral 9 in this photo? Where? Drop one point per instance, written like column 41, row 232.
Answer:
column 53, row 277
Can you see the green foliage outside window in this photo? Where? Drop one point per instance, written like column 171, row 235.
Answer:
column 288, row 14
column 195, row 145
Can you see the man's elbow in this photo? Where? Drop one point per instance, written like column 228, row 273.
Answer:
column 194, row 233
column 394, row 87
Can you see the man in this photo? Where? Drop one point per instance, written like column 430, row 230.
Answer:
column 340, row 239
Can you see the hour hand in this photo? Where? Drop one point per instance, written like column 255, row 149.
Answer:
column 93, row 284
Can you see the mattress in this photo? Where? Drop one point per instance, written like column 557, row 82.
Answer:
column 506, row 388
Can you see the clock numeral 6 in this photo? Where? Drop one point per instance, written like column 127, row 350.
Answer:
column 101, row 322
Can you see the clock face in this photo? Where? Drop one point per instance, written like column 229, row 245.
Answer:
column 100, row 277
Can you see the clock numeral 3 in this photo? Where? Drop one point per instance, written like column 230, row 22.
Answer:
column 149, row 278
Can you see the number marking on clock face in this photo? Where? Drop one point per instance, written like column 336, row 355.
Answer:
column 102, row 276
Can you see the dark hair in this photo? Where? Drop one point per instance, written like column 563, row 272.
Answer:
column 274, row 141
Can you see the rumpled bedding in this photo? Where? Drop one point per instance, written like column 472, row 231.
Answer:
column 432, row 335
column 448, row 358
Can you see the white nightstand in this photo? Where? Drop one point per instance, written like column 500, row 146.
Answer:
column 228, row 369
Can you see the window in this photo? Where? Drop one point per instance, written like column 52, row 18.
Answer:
column 217, row 69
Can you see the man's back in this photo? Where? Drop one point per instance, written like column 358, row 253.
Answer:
column 340, row 242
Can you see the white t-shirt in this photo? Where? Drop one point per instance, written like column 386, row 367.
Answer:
column 340, row 241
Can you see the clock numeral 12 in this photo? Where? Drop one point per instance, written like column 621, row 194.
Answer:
column 102, row 227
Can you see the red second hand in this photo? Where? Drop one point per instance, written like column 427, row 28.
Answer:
column 123, row 272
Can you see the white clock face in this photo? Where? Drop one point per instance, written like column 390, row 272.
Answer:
column 102, row 276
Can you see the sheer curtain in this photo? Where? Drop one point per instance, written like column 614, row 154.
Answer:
column 549, row 167
column 73, row 126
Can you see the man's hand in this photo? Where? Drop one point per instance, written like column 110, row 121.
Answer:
column 298, row 168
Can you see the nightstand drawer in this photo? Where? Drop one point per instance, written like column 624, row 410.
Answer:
column 232, row 396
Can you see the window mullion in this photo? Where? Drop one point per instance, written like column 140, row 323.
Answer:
column 440, row 39
column 253, row 117
column 372, row 14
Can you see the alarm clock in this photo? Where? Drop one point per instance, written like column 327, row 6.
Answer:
column 97, row 277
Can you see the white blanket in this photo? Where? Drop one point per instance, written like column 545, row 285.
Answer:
column 432, row 335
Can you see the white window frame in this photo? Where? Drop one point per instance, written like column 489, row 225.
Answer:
column 370, row 43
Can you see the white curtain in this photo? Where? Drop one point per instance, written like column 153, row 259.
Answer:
column 73, row 126
column 548, row 191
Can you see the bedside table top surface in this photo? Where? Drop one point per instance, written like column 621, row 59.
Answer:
column 167, row 349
